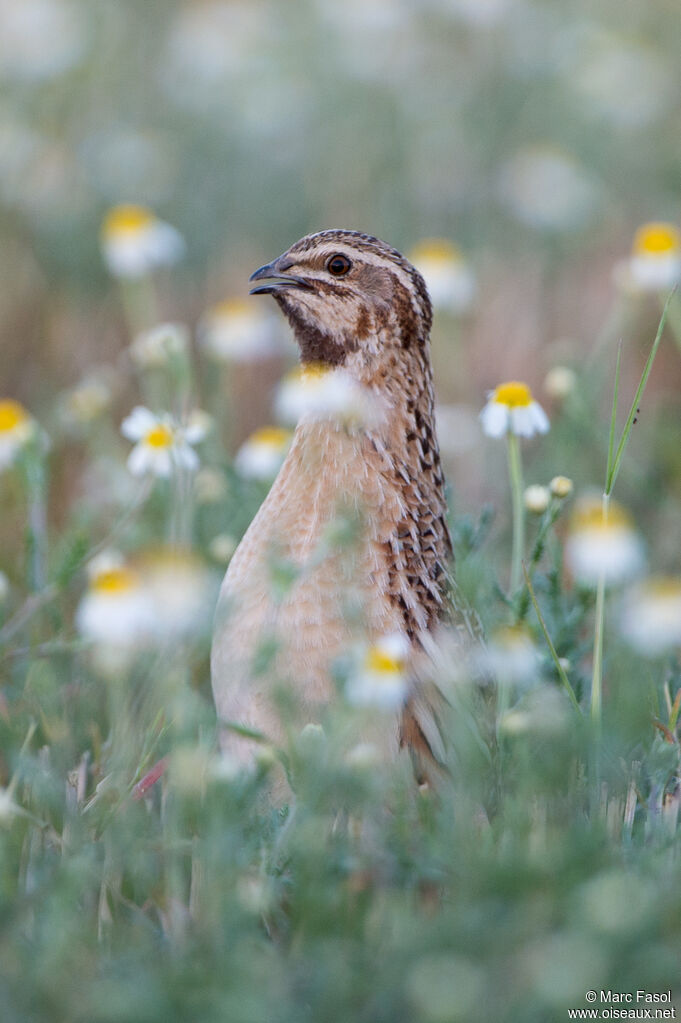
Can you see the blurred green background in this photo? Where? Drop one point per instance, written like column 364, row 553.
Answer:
column 537, row 137
column 247, row 125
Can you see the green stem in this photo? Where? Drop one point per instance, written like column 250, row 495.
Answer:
column 597, row 672
column 181, row 517
column 515, row 472
column 139, row 303
column 554, row 654
column 548, row 521
column 503, row 704
column 34, row 471
column 615, row 456
column 35, row 602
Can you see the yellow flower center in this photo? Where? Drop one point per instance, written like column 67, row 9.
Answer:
column 514, row 394
column 435, row 250
column 512, row 637
column 657, row 239
column 377, row 660
column 663, row 588
column 271, row 436
column 232, row 307
column 310, row 373
column 126, row 219
column 160, row 436
column 114, row 580
column 589, row 515
column 12, row 414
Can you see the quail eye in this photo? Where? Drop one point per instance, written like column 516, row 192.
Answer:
column 338, row 265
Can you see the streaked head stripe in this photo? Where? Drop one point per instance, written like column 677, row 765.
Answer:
column 373, row 252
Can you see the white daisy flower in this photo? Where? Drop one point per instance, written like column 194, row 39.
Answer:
column 544, row 187
column 155, row 348
column 39, row 39
column 197, row 426
column 317, row 391
column 655, row 262
column 116, row 612
column 537, row 498
column 380, row 679
column 262, row 455
column 222, row 547
column 17, row 428
column 450, row 281
column 598, row 546
column 542, row 711
column 182, row 590
column 164, row 595
column 106, row 561
column 651, row 616
column 511, row 657
column 618, row 78
column 134, row 241
column 240, row 331
column 87, row 401
column 161, row 444
column 365, row 756
column 512, row 409
column 210, row 486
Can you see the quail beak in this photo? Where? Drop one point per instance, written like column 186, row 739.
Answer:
column 276, row 277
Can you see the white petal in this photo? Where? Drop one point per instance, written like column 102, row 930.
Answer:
column 523, row 421
column 495, row 419
column 617, row 554
column 198, row 427
column 395, row 645
column 539, row 418
column 259, row 461
column 367, row 689
column 243, row 335
column 8, row 451
column 138, row 423
column 133, row 254
column 166, row 245
column 160, row 462
column 655, row 273
column 186, row 457
column 125, row 257
column 139, row 460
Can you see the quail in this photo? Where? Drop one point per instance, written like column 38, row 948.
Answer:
column 357, row 307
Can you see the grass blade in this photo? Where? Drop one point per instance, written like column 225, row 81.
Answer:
column 619, row 454
column 556, row 659
column 613, row 417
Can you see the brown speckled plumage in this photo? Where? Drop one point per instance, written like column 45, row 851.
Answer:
column 373, row 321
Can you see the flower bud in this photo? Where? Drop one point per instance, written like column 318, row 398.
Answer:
column 537, row 499
column 561, row 487
column 560, row 382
